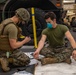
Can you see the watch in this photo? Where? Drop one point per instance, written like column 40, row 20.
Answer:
column 74, row 48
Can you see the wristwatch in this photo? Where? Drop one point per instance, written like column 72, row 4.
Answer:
column 74, row 48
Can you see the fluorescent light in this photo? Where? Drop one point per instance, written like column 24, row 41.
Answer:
column 68, row 1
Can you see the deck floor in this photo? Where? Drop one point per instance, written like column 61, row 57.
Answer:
column 56, row 69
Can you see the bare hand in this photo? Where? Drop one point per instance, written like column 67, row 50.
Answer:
column 74, row 54
column 36, row 54
column 27, row 39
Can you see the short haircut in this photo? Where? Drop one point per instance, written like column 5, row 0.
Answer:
column 50, row 15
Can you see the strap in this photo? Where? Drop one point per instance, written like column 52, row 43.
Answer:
column 5, row 26
column 74, row 48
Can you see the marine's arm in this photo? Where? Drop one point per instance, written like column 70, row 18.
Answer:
column 41, row 42
column 12, row 34
column 40, row 46
column 16, row 44
column 71, row 39
column 73, row 43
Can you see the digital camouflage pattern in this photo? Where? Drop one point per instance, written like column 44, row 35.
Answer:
column 23, row 14
column 60, row 53
column 19, row 58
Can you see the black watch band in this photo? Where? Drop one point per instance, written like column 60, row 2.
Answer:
column 74, row 48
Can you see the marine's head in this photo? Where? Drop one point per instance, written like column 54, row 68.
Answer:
column 23, row 14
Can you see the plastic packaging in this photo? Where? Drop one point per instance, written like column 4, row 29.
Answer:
column 22, row 73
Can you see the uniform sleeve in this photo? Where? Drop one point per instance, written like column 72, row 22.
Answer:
column 64, row 29
column 44, row 32
column 12, row 32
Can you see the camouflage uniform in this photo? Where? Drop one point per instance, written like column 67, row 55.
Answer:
column 60, row 53
column 18, row 57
